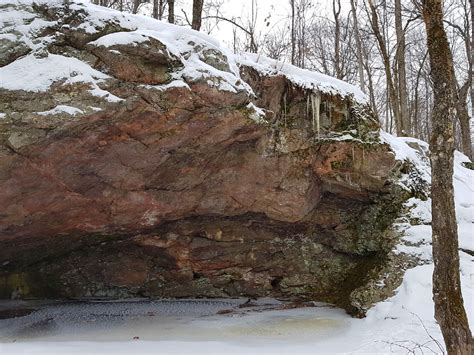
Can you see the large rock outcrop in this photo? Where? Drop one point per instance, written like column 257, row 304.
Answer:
column 138, row 158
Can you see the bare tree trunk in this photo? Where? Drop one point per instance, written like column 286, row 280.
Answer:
column 392, row 92
column 472, row 57
column 156, row 7
column 234, row 37
column 373, row 102
column 337, row 37
column 428, row 112
column 416, row 127
column 293, row 33
column 464, row 119
column 170, row 11
column 360, row 60
column 252, row 27
column 136, row 5
column 197, row 14
column 161, row 9
column 401, row 66
column 449, row 306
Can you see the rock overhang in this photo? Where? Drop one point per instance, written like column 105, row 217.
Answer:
column 190, row 171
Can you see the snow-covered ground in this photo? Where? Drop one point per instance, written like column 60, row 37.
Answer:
column 401, row 324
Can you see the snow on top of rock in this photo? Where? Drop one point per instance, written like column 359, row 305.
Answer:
column 204, row 58
column 19, row 23
column 37, row 74
column 417, row 152
column 400, row 146
column 258, row 114
column 61, row 109
column 418, row 237
column 186, row 44
column 302, row 77
column 191, row 48
column 118, row 38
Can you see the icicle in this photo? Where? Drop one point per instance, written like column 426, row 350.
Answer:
column 315, row 103
column 307, row 105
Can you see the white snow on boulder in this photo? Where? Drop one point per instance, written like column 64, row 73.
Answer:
column 302, row 77
column 120, row 38
column 191, row 47
column 61, row 109
column 38, row 74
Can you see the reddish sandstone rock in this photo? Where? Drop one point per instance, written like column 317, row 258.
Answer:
column 187, row 190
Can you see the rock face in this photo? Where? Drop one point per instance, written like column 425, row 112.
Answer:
column 164, row 166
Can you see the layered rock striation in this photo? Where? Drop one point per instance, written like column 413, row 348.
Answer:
column 139, row 158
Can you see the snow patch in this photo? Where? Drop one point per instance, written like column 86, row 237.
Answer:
column 178, row 83
column 120, row 38
column 61, row 109
column 38, row 74
column 258, row 114
column 97, row 91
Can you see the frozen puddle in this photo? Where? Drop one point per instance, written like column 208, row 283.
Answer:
column 188, row 320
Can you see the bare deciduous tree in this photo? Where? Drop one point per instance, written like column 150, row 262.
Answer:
column 336, row 11
column 400, row 55
column 462, row 29
column 158, row 9
column 360, row 59
column 472, row 57
column 293, row 33
column 449, row 306
column 391, row 88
